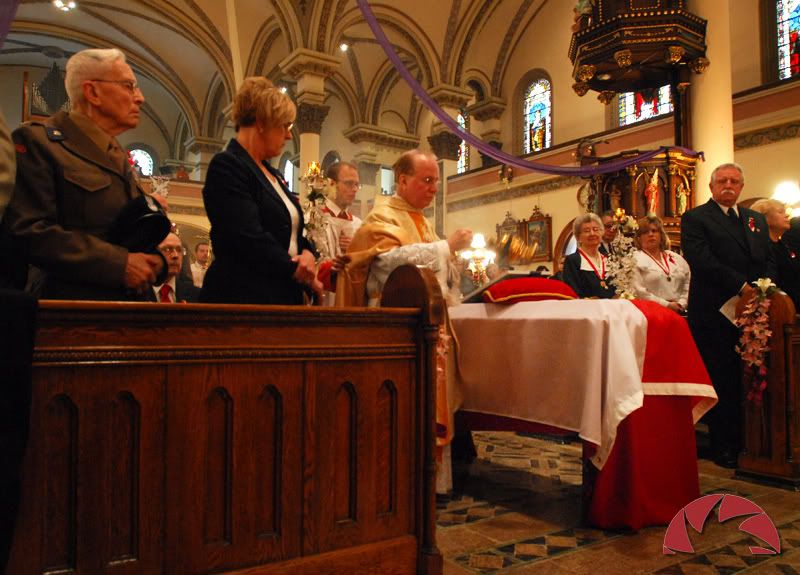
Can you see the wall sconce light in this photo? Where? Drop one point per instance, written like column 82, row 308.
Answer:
column 787, row 193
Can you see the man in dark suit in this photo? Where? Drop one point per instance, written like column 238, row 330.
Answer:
column 609, row 233
column 73, row 180
column 727, row 247
column 177, row 288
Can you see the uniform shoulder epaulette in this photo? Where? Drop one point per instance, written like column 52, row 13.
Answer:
column 54, row 134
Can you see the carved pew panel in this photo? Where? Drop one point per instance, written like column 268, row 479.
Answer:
column 93, row 501
column 772, row 429
column 247, row 440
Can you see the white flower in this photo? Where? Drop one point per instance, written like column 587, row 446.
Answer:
column 764, row 285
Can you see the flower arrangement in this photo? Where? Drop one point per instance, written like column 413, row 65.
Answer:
column 622, row 262
column 314, row 218
column 159, row 186
column 754, row 340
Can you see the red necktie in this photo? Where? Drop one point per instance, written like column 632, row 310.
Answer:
column 164, row 292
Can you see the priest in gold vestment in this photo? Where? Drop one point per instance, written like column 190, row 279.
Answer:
column 394, row 233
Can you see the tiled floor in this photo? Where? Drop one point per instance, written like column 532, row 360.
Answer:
column 518, row 511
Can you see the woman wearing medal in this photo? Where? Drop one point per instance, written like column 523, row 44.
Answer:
column 660, row 275
column 585, row 270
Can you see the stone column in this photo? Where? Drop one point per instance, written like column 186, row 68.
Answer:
column 199, row 151
column 310, row 68
column 309, row 125
column 369, row 173
column 711, row 96
column 452, row 99
column 486, row 115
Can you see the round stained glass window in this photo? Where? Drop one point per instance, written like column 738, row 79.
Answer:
column 143, row 160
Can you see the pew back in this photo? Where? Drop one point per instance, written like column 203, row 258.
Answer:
column 233, row 439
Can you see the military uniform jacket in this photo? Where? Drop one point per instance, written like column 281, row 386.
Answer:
column 66, row 198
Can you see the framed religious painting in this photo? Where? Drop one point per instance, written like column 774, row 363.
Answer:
column 509, row 228
column 537, row 231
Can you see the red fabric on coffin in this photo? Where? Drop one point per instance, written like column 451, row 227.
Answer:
column 652, row 470
column 666, row 329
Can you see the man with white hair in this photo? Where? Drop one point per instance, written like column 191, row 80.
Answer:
column 727, row 247
column 73, row 181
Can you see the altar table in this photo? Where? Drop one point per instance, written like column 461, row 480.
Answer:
column 625, row 375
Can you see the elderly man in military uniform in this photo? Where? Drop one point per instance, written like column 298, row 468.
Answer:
column 73, row 181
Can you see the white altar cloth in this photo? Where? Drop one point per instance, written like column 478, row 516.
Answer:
column 575, row 365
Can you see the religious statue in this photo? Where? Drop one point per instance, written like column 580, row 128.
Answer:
column 615, row 198
column 583, row 8
column 651, row 194
column 681, row 198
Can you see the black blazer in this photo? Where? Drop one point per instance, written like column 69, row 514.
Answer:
column 722, row 258
column 250, row 232
column 787, row 261
column 585, row 283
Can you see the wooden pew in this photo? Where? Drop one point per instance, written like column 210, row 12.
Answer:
column 233, row 439
column 771, row 451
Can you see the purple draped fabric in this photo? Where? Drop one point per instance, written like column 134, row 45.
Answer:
column 8, row 8
column 485, row 148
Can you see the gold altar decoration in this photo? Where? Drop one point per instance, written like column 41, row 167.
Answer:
column 663, row 185
column 313, row 217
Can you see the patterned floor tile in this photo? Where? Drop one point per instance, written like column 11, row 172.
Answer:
column 524, row 493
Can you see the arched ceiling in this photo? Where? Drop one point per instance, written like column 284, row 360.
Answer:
column 182, row 51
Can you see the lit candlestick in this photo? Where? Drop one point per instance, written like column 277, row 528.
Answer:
column 619, row 215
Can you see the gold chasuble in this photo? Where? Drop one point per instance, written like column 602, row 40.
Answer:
column 394, row 223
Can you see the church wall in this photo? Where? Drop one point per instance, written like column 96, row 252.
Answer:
column 766, row 166
column 331, row 138
column 746, row 52
column 573, row 117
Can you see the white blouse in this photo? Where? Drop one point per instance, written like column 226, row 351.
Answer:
column 662, row 282
column 293, row 213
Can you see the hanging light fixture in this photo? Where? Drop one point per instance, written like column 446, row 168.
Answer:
column 65, row 6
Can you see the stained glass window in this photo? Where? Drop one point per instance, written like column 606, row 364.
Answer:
column 788, row 12
column 142, row 160
column 537, row 112
column 636, row 106
column 463, row 149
